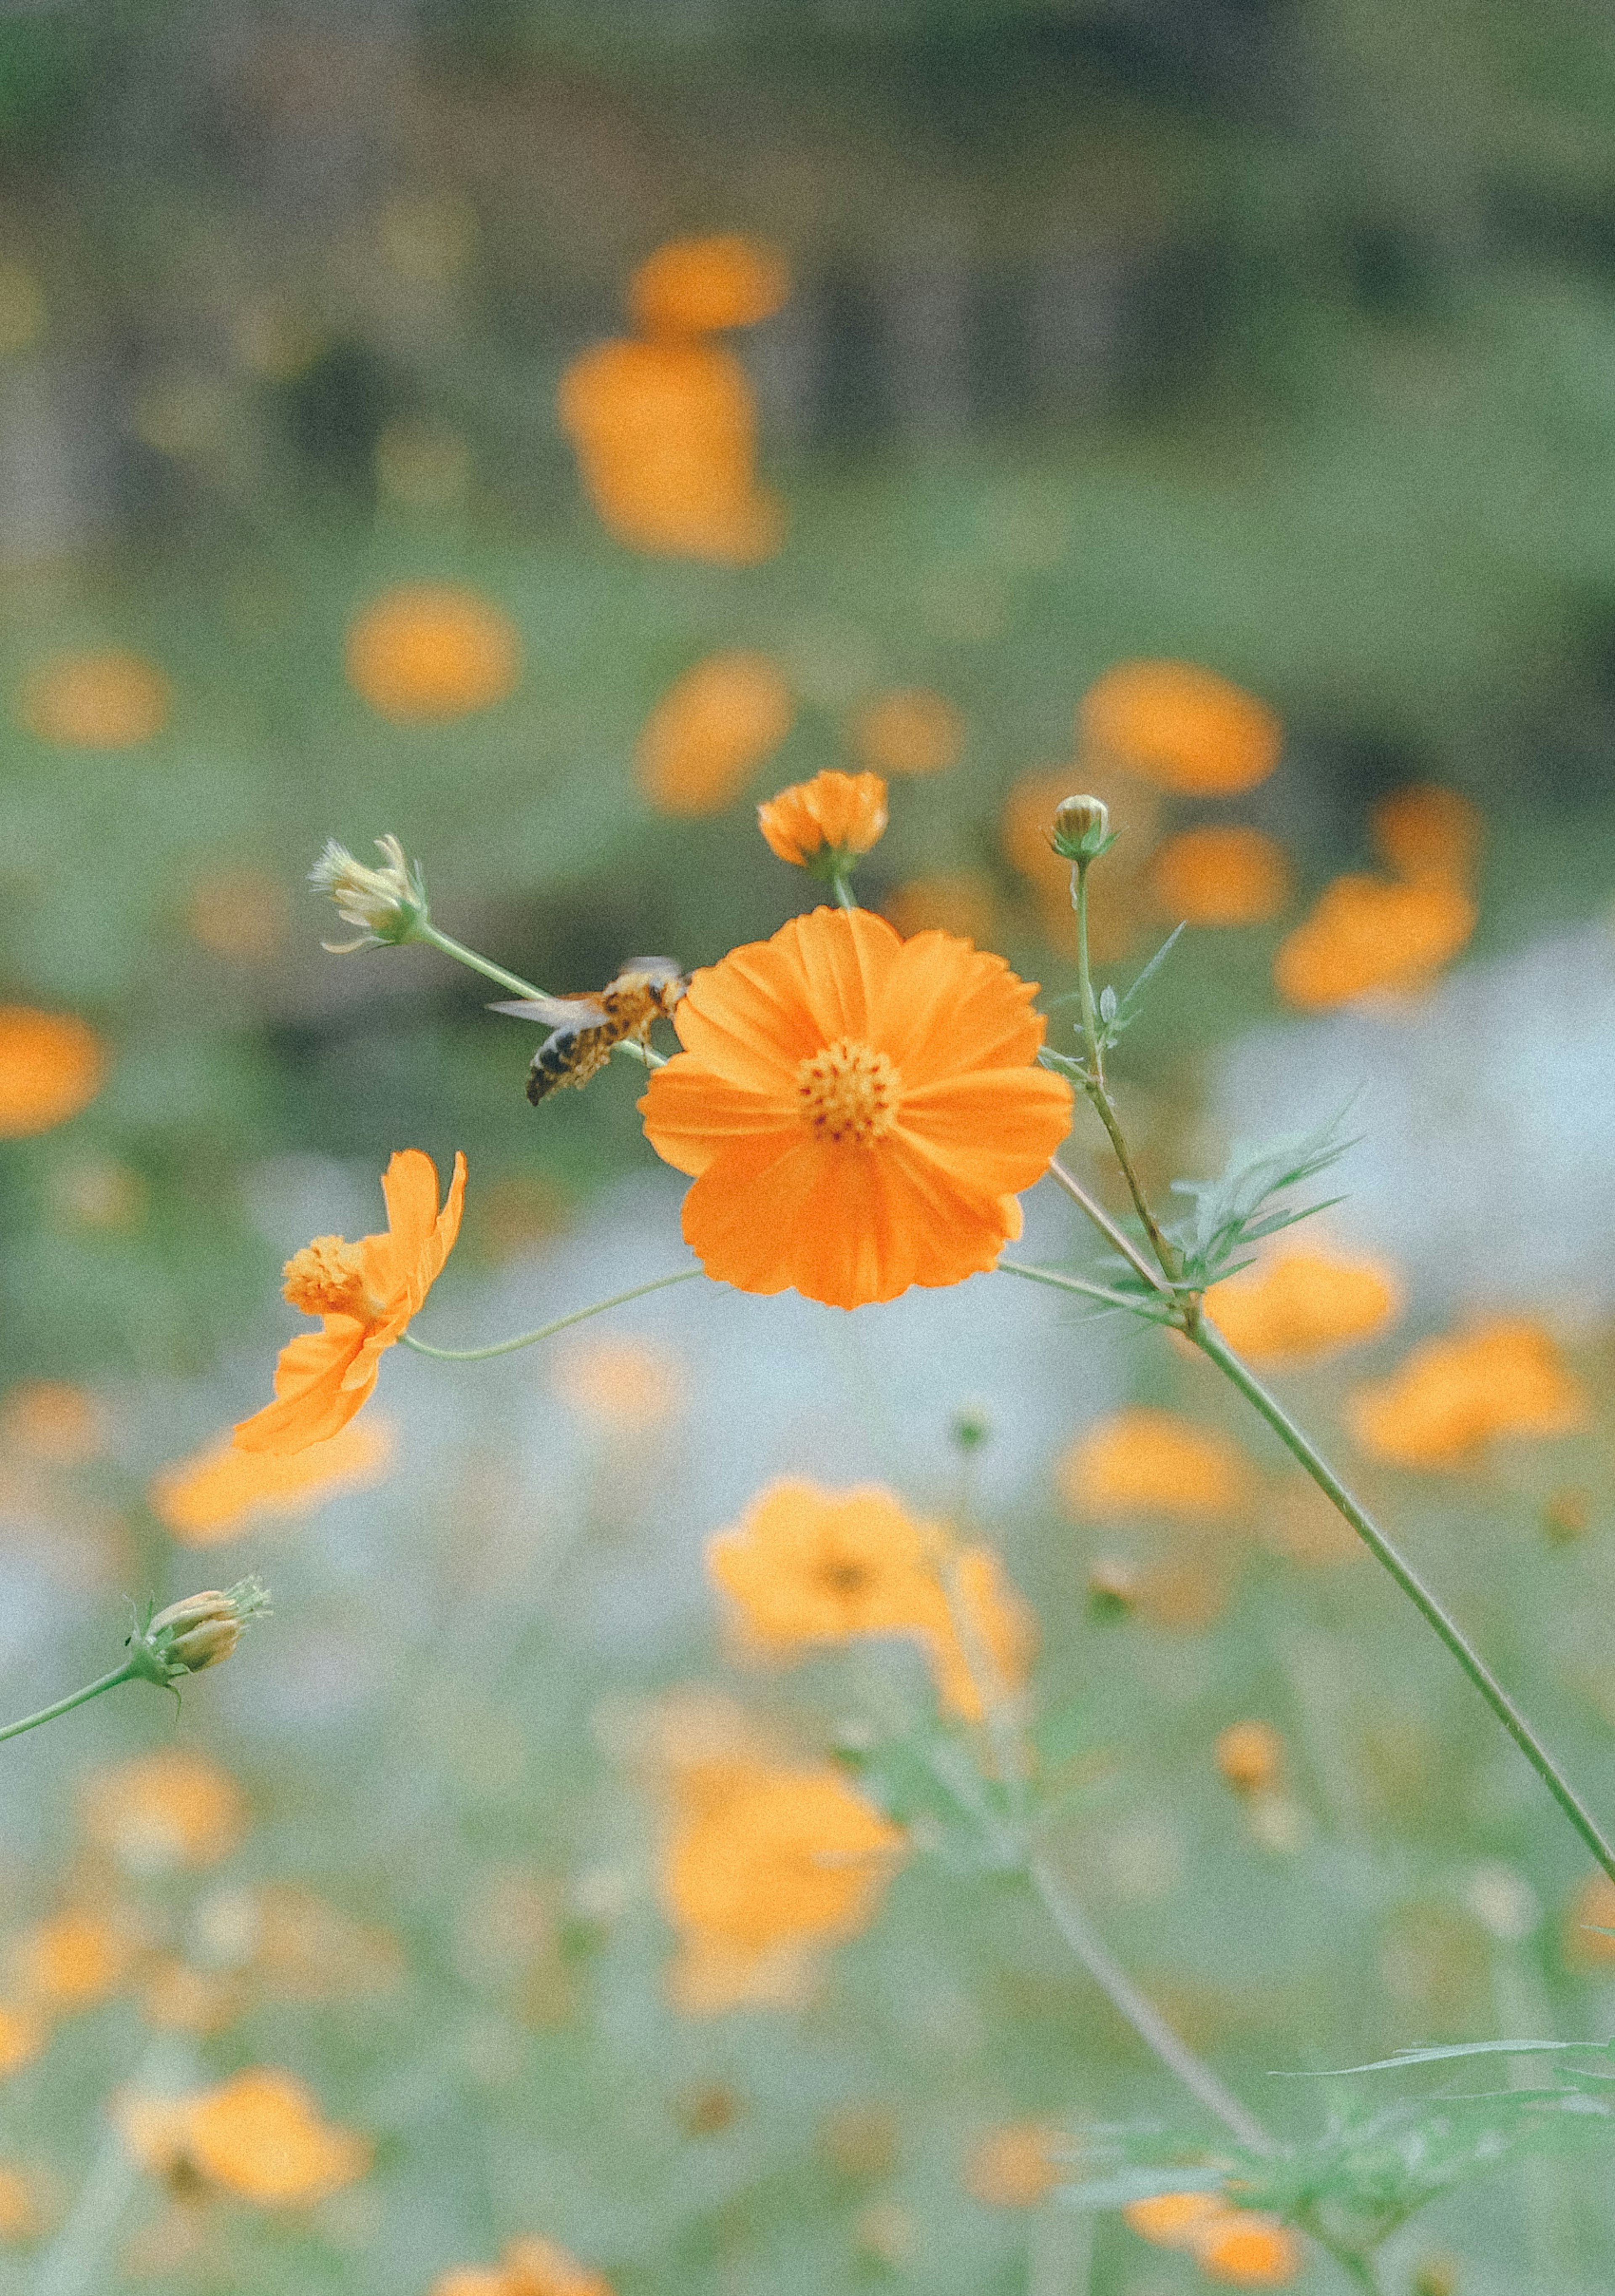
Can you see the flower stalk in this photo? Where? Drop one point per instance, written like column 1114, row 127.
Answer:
column 548, row 1331
column 200, row 1631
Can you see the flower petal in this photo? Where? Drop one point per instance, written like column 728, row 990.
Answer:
column 945, row 1006
column 995, row 1131
column 693, row 1112
column 410, row 1185
column 312, row 1400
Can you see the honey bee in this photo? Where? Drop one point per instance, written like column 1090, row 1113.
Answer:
column 584, row 1029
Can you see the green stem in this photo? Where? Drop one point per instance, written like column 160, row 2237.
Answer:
column 1084, row 977
column 522, row 1340
column 1074, row 1283
column 1097, row 1091
column 1113, row 1235
column 843, row 891
column 1359, row 2267
column 124, row 1673
column 463, row 955
column 1211, row 1343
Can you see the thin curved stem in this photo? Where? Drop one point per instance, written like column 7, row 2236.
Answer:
column 124, row 1673
column 485, row 965
column 543, row 1332
column 1075, row 1283
column 1211, row 1343
column 1146, row 2021
column 1115, row 1237
column 1098, row 1092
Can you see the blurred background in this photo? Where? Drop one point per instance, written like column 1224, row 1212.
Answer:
column 1212, row 404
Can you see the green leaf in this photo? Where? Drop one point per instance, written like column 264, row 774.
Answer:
column 1435, row 2055
column 1122, row 1016
column 1245, row 1205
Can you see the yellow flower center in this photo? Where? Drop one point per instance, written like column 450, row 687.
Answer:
column 848, row 1092
column 327, row 1278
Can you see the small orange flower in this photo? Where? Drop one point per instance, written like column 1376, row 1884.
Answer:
column 163, row 1810
column 218, row 1492
column 833, row 814
column 1220, row 877
column 1012, row 2168
column 1300, row 1304
column 858, row 1111
column 260, row 2136
column 1247, row 2251
column 666, row 438
column 53, row 1420
column 1426, row 830
column 1452, row 1395
column 764, row 1855
column 627, row 1385
column 71, row 1962
column 112, row 701
column 365, row 1294
column 530, row 2268
column 710, row 731
column 52, row 1065
column 23, row 2034
column 429, row 651
column 909, row 732
column 1366, row 933
column 1250, row 1756
column 1147, row 1461
column 1174, row 2219
column 703, row 286
column 1181, row 726
column 808, row 1565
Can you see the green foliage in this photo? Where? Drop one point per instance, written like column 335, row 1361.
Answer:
column 1246, row 1203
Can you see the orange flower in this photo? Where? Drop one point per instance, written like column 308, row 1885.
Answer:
column 1425, row 830
column 1012, row 2168
column 260, row 2136
column 627, row 1385
column 1174, row 2219
column 909, row 732
column 1250, row 1756
column 1299, row 1304
column 710, row 731
column 530, row 2268
column 1366, row 933
column 163, row 1810
column 858, row 1110
column 1220, row 877
column 112, row 701
column 1148, row 1461
column 1247, row 2251
column 666, row 438
column 22, row 2213
column 428, row 651
column 808, row 1565
column 764, row 1855
column 1452, row 1395
column 955, row 901
column 51, row 1066
column 53, row 1420
column 1181, row 726
column 215, row 1493
column 70, row 1962
column 702, row 286
column 23, row 2034
column 366, row 1293
column 812, row 824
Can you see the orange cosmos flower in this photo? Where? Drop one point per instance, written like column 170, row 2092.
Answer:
column 1366, row 933
column 365, row 1294
column 428, row 651
column 163, row 1810
column 1300, row 1304
column 1181, row 726
column 702, row 286
column 260, row 2136
column 820, row 822
column 53, row 1420
column 762, row 1854
column 710, row 731
column 530, row 2268
column 1426, row 830
column 1452, row 1395
column 1149, row 1461
column 112, row 701
column 51, row 1066
column 858, row 1111
column 71, row 1962
column 1247, row 2251
column 1220, row 877
column 909, row 732
column 215, row 1493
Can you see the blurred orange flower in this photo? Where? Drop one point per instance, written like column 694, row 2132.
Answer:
column 1231, row 876
column 1013, row 2167
column 112, row 701
column 666, row 438
column 365, row 1294
column 1300, row 1304
column 1452, row 1395
column 1426, row 830
column 908, row 732
column 1147, row 1461
column 761, row 1855
column 956, row 901
column 833, row 813
column 709, row 732
column 1247, row 2251
column 71, row 1962
column 163, row 1810
column 259, row 2136
column 702, row 286
column 629, row 1385
column 1174, row 2219
column 22, row 2214
column 1181, row 726
column 808, row 1565
column 53, row 1420
column 1589, row 1921
column 23, row 2034
column 1366, row 933
column 530, row 2268
column 1250, row 1756
column 51, row 1066
column 858, row 1110
column 429, row 651
column 219, row 1491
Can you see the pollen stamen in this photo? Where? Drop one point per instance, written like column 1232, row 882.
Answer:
column 848, row 1092
column 327, row 1278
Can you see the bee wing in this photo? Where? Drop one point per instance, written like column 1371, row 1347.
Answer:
column 555, row 1011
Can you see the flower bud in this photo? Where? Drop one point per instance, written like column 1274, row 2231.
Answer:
column 388, row 904
column 1082, row 828
column 197, row 1632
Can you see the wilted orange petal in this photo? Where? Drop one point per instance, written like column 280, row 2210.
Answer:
column 427, row 650
column 1220, row 877
column 1181, row 726
column 52, row 1065
column 709, row 732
